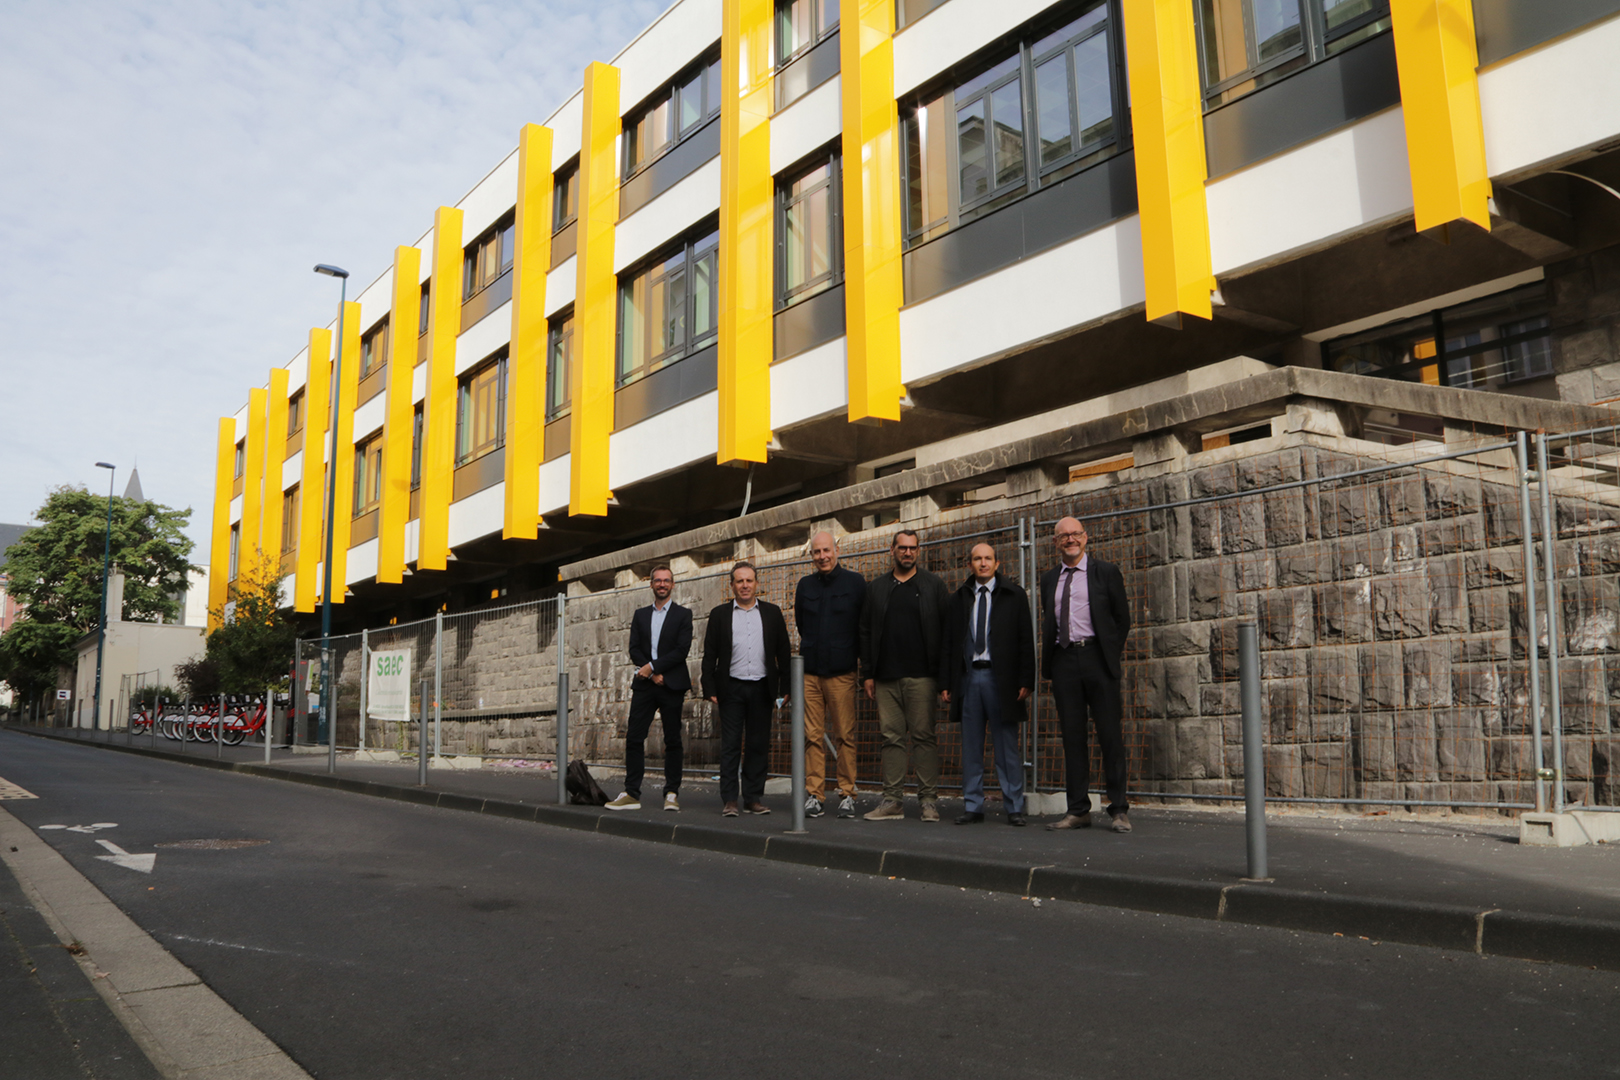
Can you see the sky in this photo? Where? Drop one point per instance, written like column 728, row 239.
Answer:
column 171, row 171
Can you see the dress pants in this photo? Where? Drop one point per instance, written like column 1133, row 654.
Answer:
column 905, row 710
column 1082, row 687
column 980, row 710
column 646, row 698
column 829, row 706
column 745, row 737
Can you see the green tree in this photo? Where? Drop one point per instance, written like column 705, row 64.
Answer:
column 251, row 646
column 55, row 574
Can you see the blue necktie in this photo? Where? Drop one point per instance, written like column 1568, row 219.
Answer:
column 980, row 619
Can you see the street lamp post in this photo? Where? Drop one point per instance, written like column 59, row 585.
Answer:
column 328, row 722
column 106, row 568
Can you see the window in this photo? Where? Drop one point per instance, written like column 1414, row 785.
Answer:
column 289, row 519
column 416, row 448
column 802, row 24
column 236, row 552
column 1245, row 44
column 374, row 349
column 559, row 357
column 241, row 460
column 481, row 412
column 808, row 231
column 669, row 308
column 672, row 114
column 487, row 259
column 368, row 475
column 565, row 197
column 1045, row 112
column 295, row 414
column 423, row 311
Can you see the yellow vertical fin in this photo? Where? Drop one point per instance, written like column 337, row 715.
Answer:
column 526, row 356
column 1437, row 58
column 312, row 485
column 253, row 481
column 275, row 441
column 393, row 513
column 219, row 550
column 595, row 294
column 343, row 468
column 439, row 408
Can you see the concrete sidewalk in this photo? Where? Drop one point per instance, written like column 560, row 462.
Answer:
column 1460, row 882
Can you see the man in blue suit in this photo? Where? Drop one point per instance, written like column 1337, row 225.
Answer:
column 660, row 638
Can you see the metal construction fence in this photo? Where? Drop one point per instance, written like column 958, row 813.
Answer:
column 1439, row 627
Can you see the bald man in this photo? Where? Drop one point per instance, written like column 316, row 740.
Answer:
column 1084, row 621
column 827, row 609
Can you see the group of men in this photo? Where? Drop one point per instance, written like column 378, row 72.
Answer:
column 908, row 643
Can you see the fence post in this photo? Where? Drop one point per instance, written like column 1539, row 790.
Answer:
column 365, row 677
column 1254, row 756
column 421, row 739
column 438, row 676
column 1549, row 556
column 1026, row 538
column 1532, row 645
column 219, row 729
column 562, row 738
column 796, row 687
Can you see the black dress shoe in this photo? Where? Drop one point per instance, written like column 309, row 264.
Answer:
column 1016, row 818
column 972, row 817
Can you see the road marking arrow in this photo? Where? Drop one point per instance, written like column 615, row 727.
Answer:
column 120, row 857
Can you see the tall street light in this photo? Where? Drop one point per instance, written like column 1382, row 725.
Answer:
column 106, row 567
column 326, row 725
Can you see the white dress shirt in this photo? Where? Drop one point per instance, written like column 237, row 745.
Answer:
column 747, row 643
column 973, row 615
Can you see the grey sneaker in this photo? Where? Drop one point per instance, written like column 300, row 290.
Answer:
column 930, row 810
column 626, row 801
column 846, row 807
column 888, row 810
column 813, row 807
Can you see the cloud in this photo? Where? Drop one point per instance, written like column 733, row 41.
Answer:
column 172, row 170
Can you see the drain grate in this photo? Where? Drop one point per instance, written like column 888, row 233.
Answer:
column 211, row 845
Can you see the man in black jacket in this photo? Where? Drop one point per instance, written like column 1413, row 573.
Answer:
column 745, row 672
column 660, row 638
column 1084, row 620
column 901, row 628
column 827, row 609
column 989, row 673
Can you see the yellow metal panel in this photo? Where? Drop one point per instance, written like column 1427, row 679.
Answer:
column 275, row 452
column 253, row 473
column 595, row 295
column 873, row 286
column 219, row 549
column 403, row 319
column 1167, row 120
column 312, row 486
column 439, row 410
column 526, row 356
column 747, row 201
column 343, row 473
column 1445, row 137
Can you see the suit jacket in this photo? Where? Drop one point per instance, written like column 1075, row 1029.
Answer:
column 1012, row 647
column 674, row 643
column 1110, row 613
column 717, row 649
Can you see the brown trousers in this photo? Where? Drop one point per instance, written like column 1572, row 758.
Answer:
column 829, row 706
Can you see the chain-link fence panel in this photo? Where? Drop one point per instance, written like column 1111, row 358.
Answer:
column 385, row 733
column 498, row 686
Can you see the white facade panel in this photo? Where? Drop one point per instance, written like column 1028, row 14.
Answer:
column 679, row 37
column 369, row 417
column 418, row 383
column 567, row 128
column 478, row 515
column 811, row 122
column 1090, row 278
column 951, row 33
column 484, row 337
column 667, row 216
column 671, row 440
column 292, row 470
column 236, row 509
column 560, row 285
column 424, row 267
column 1545, row 103
column 810, row 385
column 413, row 537
column 361, row 564
column 240, row 430
column 554, row 484
column 376, row 300
column 495, row 195
column 298, row 371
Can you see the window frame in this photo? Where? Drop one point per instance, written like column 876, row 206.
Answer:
column 1317, row 43
column 565, row 196
column 698, row 244
column 706, row 68
column 233, row 563
column 418, row 431
column 289, row 519
column 821, row 32
column 479, row 268
column 830, row 158
column 424, row 310
column 372, row 356
column 466, row 403
column 559, row 334
column 240, row 462
column 367, row 494
column 295, row 412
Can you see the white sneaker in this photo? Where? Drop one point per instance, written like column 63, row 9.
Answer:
column 626, row 801
column 671, row 802
column 846, row 807
column 812, row 806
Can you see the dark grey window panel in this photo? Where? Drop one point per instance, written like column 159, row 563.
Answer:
column 1505, row 27
column 480, row 304
column 564, row 242
column 807, row 72
column 907, row 12
column 1085, row 201
column 478, row 474
column 667, row 387
column 685, row 158
column 813, row 321
column 1357, row 82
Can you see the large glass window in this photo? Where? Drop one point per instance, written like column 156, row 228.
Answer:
column 295, row 414
column 289, row 520
column 1245, row 44
column 481, row 412
column 241, row 460
column 368, row 475
column 1042, row 113
column 808, row 232
column 235, row 552
column 565, row 196
column 668, row 308
column 424, row 311
column 374, row 349
column 672, row 114
column 487, row 258
column 559, row 359
column 416, row 448
column 801, row 24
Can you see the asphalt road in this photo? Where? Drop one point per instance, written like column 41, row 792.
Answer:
column 375, row 939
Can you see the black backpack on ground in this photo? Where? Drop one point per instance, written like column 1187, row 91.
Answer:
column 583, row 790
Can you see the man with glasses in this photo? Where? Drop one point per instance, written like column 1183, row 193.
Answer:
column 902, row 627
column 660, row 638
column 827, row 608
column 1084, row 620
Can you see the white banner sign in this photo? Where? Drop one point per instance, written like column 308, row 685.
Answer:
column 388, row 685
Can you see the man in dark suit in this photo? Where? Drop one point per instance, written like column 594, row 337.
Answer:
column 988, row 672
column 745, row 672
column 1084, row 620
column 660, row 638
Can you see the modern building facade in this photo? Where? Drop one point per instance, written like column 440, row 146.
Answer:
column 776, row 251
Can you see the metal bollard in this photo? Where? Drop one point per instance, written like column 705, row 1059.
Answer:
column 270, row 720
column 421, row 740
column 796, row 688
column 562, row 738
column 1254, row 758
